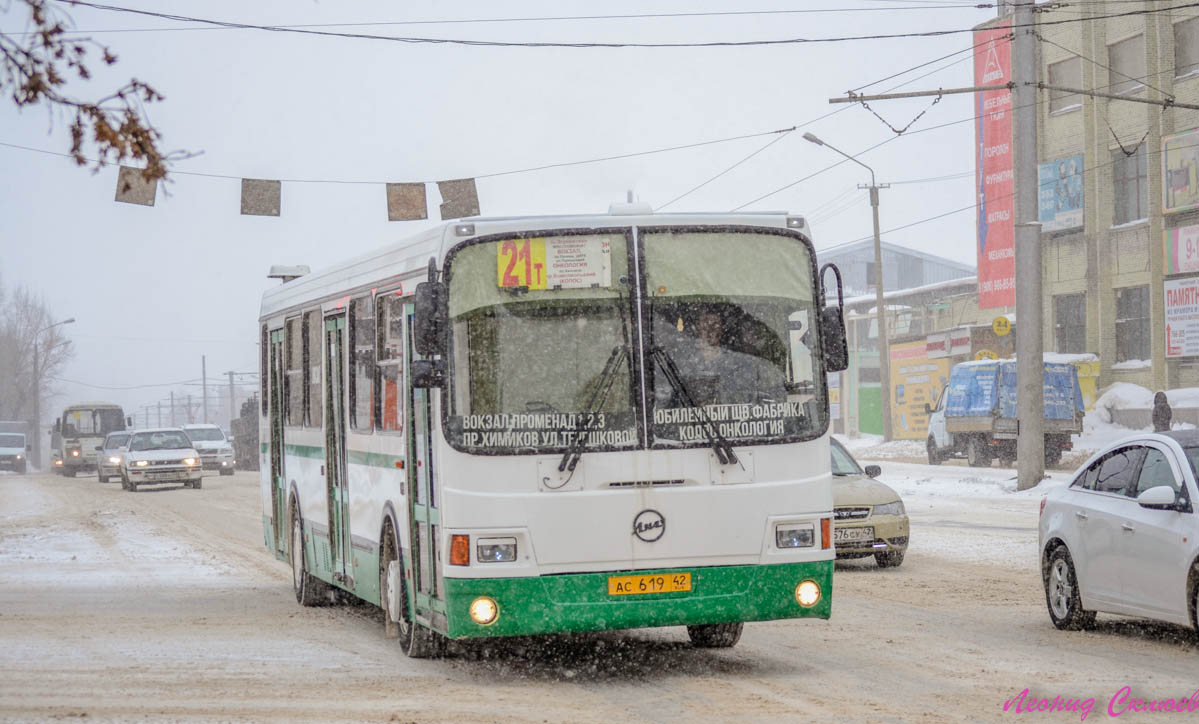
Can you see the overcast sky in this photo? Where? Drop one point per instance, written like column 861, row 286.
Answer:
column 153, row 289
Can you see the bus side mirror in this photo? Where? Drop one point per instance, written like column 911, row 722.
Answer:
column 832, row 326
column 427, row 373
column 432, row 315
column 128, row 422
column 928, row 409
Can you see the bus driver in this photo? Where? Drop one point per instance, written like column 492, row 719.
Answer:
column 718, row 375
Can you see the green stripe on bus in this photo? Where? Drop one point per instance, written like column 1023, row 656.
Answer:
column 354, row 457
column 574, row 603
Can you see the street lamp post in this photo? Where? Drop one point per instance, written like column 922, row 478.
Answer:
column 37, row 393
column 884, row 348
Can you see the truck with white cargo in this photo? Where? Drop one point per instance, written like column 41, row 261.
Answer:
column 976, row 414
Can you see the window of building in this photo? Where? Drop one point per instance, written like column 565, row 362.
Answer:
column 1186, row 47
column 293, row 365
column 362, row 363
column 313, row 339
column 1068, row 74
column 1126, row 65
column 1132, row 324
column 389, row 400
column 1130, row 185
column 1070, row 323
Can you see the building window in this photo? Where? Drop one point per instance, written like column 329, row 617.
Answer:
column 389, row 402
column 1066, row 73
column 362, row 363
column 313, row 336
column 1126, row 65
column 1186, row 47
column 293, row 379
column 1130, row 185
column 1070, row 323
column 1132, row 324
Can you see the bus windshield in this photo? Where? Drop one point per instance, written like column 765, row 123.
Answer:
column 541, row 334
column 92, row 422
column 545, row 333
column 732, row 311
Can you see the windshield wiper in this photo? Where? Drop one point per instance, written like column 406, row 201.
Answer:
column 571, row 457
column 723, row 448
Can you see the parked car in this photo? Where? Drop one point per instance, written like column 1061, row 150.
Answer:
column 13, row 449
column 1123, row 537
column 108, row 457
column 215, row 448
column 868, row 516
column 162, row 455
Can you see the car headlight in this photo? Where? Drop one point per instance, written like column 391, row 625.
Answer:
column 142, row 463
column 795, row 535
column 114, row 460
column 895, row 508
column 19, row 457
column 496, row 550
column 189, row 461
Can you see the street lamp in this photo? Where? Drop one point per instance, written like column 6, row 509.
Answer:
column 37, row 394
column 884, row 349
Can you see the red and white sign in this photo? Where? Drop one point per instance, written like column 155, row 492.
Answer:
column 1182, row 317
column 994, row 170
column 959, row 342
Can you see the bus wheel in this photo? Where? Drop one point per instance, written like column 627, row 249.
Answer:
column 416, row 641
column 310, row 591
column 715, row 635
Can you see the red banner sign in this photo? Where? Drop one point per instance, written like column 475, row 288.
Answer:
column 995, row 171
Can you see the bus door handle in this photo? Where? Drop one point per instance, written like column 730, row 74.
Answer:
column 322, row 471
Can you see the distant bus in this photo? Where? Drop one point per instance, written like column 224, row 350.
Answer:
column 76, row 434
column 535, row 425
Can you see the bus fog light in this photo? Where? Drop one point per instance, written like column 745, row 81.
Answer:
column 496, row 550
column 795, row 536
column 484, row 611
column 808, row 593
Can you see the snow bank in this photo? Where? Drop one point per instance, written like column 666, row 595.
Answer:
column 872, row 447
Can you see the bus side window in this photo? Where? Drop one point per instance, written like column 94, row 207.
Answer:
column 389, row 402
column 362, row 363
column 294, row 373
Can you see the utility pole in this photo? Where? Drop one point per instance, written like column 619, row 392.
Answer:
column 159, row 404
column 189, row 409
column 232, row 411
column 1030, row 395
column 204, row 384
column 173, row 408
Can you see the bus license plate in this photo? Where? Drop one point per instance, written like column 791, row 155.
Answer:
column 861, row 534
column 656, row 583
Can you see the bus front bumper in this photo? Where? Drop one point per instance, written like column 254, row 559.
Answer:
column 572, row 603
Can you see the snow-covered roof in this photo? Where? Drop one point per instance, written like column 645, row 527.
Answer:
column 899, row 293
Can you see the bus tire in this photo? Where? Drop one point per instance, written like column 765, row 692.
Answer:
column 416, row 641
column 310, row 590
column 715, row 635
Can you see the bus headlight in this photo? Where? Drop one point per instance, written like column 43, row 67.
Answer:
column 484, row 611
column 808, row 593
column 795, row 535
column 496, row 550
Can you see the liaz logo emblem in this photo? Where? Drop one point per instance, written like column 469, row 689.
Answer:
column 649, row 525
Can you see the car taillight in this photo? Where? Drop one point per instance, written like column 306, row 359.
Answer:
column 1042, row 511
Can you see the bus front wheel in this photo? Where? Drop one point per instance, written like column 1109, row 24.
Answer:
column 715, row 635
column 416, row 641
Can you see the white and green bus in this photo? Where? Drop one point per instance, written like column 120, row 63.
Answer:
column 523, row 426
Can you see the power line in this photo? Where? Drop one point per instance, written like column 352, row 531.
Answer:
column 564, row 18
column 562, row 44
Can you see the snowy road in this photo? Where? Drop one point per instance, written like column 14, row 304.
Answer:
column 164, row 606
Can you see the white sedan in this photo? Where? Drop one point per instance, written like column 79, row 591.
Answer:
column 1123, row 537
column 163, row 455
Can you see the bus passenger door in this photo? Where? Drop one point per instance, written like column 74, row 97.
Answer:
column 279, row 522
column 335, row 453
column 425, row 519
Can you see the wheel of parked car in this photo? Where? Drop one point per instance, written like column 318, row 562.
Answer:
column 977, row 453
column 1061, row 593
column 889, row 559
column 715, row 635
column 934, row 458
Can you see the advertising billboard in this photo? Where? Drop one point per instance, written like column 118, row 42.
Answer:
column 1182, row 250
column 995, row 178
column 1059, row 194
column 1182, row 317
column 915, row 380
column 1180, row 171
